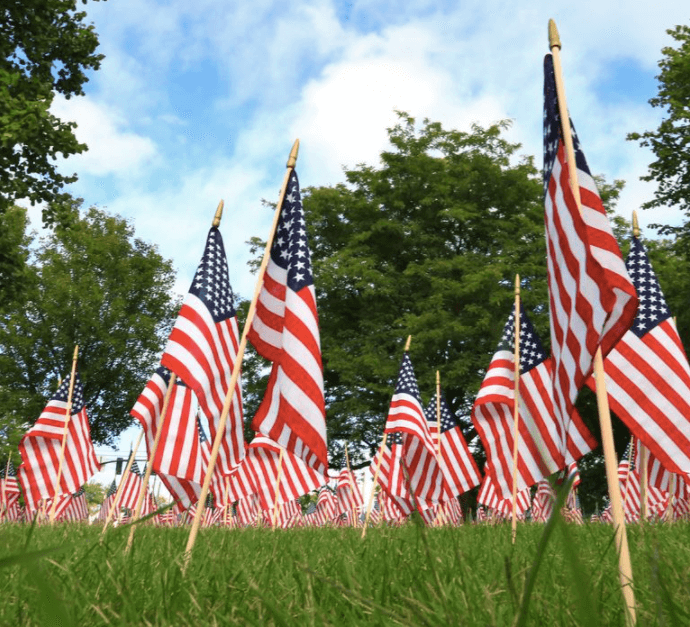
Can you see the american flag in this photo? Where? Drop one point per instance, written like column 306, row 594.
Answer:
column 326, row 505
column 107, row 502
column 592, row 300
column 546, row 443
column 285, row 330
column 648, row 375
column 406, row 416
column 41, row 445
column 347, row 492
column 77, row 508
column 248, row 510
column 297, row 478
column 459, row 468
column 147, row 410
column 202, row 348
column 491, row 497
column 132, row 488
column 178, row 453
column 9, row 489
column 391, row 477
column 544, row 499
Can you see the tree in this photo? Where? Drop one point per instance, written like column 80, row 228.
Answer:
column 96, row 285
column 46, row 48
column 428, row 244
column 670, row 142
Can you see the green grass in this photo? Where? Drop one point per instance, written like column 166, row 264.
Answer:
column 408, row 576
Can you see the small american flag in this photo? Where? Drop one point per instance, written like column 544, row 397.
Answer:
column 592, row 300
column 545, row 442
column 459, row 468
column 41, row 445
column 203, row 347
column 648, row 375
column 285, row 330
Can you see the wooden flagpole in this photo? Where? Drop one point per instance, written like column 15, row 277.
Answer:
column 624, row 564
column 441, row 518
column 4, row 491
column 352, row 487
column 220, row 430
column 516, row 403
column 68, row 417
column 149, row 466
column 275, row 498
column 118, row 493
column 373, row 487
column 644, row 453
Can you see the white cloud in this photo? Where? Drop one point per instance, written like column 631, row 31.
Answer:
column 112, row 149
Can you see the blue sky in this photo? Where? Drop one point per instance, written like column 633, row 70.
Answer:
column 198, row 101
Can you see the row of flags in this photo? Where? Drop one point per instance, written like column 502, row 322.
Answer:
column 597, row 302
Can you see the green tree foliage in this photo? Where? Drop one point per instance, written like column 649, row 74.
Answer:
column 98, row 286
column 427, row 244
column 46, row 49
column 670, row 142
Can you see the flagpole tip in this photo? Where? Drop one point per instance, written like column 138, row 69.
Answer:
column 407, row 344
column 517, row 285
column 554, row 38
column 76, row 352
column 292, row 159
column 438, row 378
column 636, row 225
column 219, row 214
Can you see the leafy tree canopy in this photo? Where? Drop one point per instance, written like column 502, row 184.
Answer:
column 670, row 142
column 427, row 244
column 98, row 286
column 46, row 48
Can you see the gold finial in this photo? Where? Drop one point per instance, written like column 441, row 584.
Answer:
column 219, row 214
column 76, row 352
column 554, row 38
column 636, row 225
column 517, row 285
column 292, row 159
column 407, row 344
column 438, row 378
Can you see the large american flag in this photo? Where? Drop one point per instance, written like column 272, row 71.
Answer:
column 592, row 300
column 147, row 410
column 202, row 348
column 546, row 443
column 40, row 448
column 459, row 468
column 285, row 330
column 648, row 375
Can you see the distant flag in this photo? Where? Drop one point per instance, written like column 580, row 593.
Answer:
column 296, row 477
column 592, row 300
column 543, row 502
column 459, row 468
column 490, row 496
column 107, row 502
column 202, row 348
column 419, row 454
column 326, row 505
column 546, row 443
column 41, row 445
column 391, row 477
column 147, row 410
column 648, row 375
column 132, row 488
column 348, row 493
column 285, row 330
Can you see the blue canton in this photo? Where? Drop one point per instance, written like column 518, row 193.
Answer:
column 652, row 309
column 552, row 126
column 211, row 282
column 290, row 250
column 77, row 393
column 532, row 351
